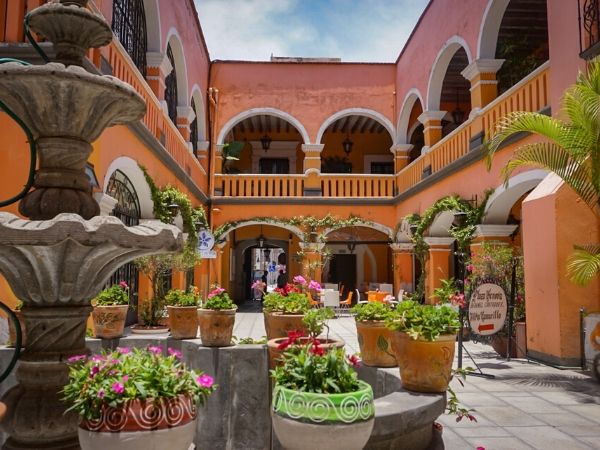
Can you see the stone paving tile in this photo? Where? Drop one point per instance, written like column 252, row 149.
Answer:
column 498, row 443
column 582, row 431
column 481, row 431
column 544, row 438
column 568, row 420
column 590, row 412
column 593, row 442
column 505, row 417
column 473, row 399
column 533, row 404
column 563, row 398
column 453, row 441
column 450, row 422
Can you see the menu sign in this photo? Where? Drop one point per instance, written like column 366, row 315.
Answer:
column 487, row 309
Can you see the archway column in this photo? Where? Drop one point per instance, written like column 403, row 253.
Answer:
column 438, row 263
column 312, row 260
column 498, row 234
column 481, row 73
column 312, row 168
column 185, row 116
column 401, row 154
column 402, row 257
column 432, row 127
column 158, row 67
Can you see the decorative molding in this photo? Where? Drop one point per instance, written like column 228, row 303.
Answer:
column 439, row 241
column 480, row 66
column 494, row 230
column 106, row 203
column 203, row 146
column 312, row 148
column 186, row 113
column 428, row 116
column 159, row 60
column 400, row 148
column 403, row 247
column 219, row 149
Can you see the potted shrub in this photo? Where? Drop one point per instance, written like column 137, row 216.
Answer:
column 284, row 308
column 12, row 331
column 423, row 344
column 182, row 308
column 374, row 338
column 314, row 321
column 110, row 311
column 133, row 399
column 216, row 318
column 319, row 402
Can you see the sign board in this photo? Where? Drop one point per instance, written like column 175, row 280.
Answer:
column 208, row 254
column 206, row 241
column 591, row 325
column 487, row 309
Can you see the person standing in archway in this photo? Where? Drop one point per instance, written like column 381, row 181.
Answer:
column 281, row 279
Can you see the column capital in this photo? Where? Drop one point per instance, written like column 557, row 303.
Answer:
column 219, row 149
column 483, row 230
column 429, row 116
column 202, row 146
column 318, row 148
column 106, row 203
column 402, row 247
column 159, row 60
column 186, row 112
column 398, row 149
column 438, row 242
column 480, row 66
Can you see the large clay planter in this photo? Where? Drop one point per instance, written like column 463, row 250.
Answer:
column 142, row 424
column 183, row 321
column 216, row 326
column 374, row 340
column 424, row 366
column 109, row 321
column 303, row 420
column 12, row 331
column 278, row 325
column 275, row 353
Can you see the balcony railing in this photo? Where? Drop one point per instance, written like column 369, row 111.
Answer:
column 253, row 185
column 357, row 185
column 589, row 28
column 530, row 94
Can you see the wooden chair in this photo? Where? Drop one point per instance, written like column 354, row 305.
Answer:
column 345, row 304
column 313, row 302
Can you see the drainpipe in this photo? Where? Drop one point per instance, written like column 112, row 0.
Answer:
column 213, row 106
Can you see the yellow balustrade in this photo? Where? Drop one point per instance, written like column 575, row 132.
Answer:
column 253, row 185
column 357, row 185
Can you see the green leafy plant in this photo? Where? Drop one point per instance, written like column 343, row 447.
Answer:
column 315, row 320
column 248, row 340
column 453, row 405
column 570, row 149
column 423, row 321
column 117, row 294
column 371, row 311
column 115, row 377
column 177, row 297
column 218, row 298
column 231, row 152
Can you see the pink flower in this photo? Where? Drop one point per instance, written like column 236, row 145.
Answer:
column 314, row 285
column 354, row 360
column 205, row 381
column 123, row 285
column 125, row 378
column 176, row 353
column 480, row 448
column 76, row 358
column 470, row 268
column 94, row 371
column 97, row 358
column 118, row 388
column 123, row 350
column 101, row 393
column 299, row 279
column 155, row 349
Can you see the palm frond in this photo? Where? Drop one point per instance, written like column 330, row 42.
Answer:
column 584, row 264
column 552, row 157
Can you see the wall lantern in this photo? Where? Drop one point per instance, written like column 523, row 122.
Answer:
column 347, row 145
column 261, row 241
column 265, row 142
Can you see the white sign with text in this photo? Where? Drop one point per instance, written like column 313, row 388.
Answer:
column 487, row 309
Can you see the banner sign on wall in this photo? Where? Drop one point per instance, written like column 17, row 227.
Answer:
column 487, row 309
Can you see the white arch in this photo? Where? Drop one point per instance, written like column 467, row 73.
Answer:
column 440, row 67
column 267, row 111
column 175, row 42
column 131, row 168
column 389, row 232
column 357, row 112
column 153, row 35
column 504, row 197
column 489, row 28
column 197, row 95
column 408, row 104
column 440, row 227
column 246, row 223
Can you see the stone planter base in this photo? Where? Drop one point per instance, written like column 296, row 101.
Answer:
column 176, row 438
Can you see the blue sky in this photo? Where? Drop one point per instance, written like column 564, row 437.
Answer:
column 354, row 30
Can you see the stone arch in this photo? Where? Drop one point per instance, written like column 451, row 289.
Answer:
column 153, row 35
column 490, row 26
column 504, row 197
column 245, row 223
column 357, row 112
column 258, row 111
column 440, row 67
column 175, row 42
column 402, row 131
column 389, row 232
column 441, row 224
column 132, row 170
column 197, row 95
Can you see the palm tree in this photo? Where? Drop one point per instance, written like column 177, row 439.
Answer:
column 569, row 149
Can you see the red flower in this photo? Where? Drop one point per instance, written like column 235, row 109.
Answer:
column 354, row 360
column 316, row 348
column 292, row 338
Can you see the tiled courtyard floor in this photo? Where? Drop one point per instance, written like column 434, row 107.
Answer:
column 527, row 405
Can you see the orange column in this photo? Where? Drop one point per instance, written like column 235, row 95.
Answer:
column 438, row 263
column 158, row 67
column 498, row 234
column 481, row 73
column 312, row 168
column 403, row 266
column 312, row 262
column 401, row 154
column 432, row 127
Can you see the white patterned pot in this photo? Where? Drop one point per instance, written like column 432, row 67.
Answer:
column 304, row 420
column 142, row 424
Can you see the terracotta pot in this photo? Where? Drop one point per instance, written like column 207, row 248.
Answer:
column 278, row 325
column 12, row 331
column 109, row 321
column 374, row 340
column 216, row 326
column 424, row 366
column 304, row 420
column 147, row 424
column 500, row 344
column 275, row 353
column 183, row 321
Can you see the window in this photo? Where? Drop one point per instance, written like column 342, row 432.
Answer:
column 171, row 88
column 194, row 130
column 385, row 168
column 129, row 24
column 274, row 165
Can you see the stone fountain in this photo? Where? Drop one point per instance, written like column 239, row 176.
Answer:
column 61, row 258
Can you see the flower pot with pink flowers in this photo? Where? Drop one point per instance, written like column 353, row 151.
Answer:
column 183, row 313
column 216, row 318
column 110, row 311
column 135, row 399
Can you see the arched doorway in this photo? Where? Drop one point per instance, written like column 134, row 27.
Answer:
column 127, row 210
